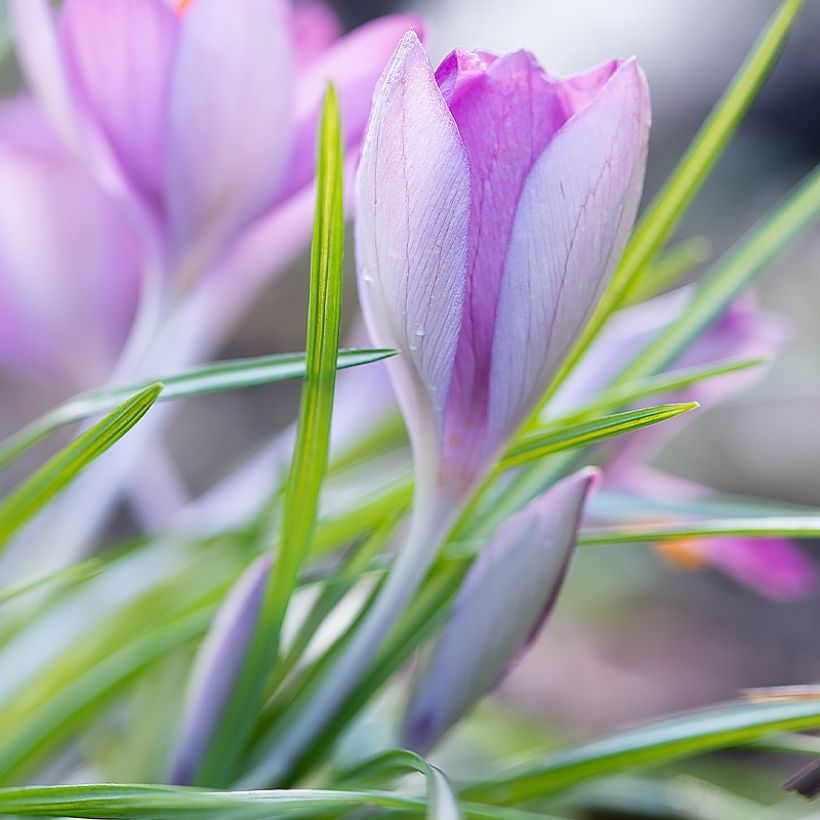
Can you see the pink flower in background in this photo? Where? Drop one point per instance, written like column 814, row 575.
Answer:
column 69, row 259
column 774, row 567
column 199, row 115
column 494, row 200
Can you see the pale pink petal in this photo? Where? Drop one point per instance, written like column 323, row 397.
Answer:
column 119, row 54
column 575, row 214
column 230, row 121
column 413, row 203
column 315, row 27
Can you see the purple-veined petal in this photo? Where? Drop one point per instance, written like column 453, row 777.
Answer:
column 69, row 261
column 573, row 219
column 413, row 200
column 500, row 608
column 507, row 111
column 315, row 27
column 217, row 665
column 353, row 64
column 119, row 55
column 230, row 121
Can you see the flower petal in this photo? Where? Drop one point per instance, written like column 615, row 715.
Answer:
column 500, row 608
column 575, row 214
column 216, row 667
column 69, row 261
column 119, row 55
column 229, row 121
column 315, row 27
column 413, row 198
column 353, row 64
column 40, row 55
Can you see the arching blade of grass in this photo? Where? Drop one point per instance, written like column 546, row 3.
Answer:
column 554, row 438
column 768, row 527
column 664, row 213
column 54, row 476
column 441, row 800
column 652, row 745
column 621, row 395
column 218, row 377
column 66, row 577
column 150, row 802
column 309, row 464
column 676, row 263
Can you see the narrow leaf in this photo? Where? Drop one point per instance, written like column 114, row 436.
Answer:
column 310, row 458
column 652, row 745
column 217, row 377
column 54, row 476
column 768, row 527
column 555, row 439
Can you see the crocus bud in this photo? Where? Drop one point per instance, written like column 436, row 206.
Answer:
column 494, row 200
column 500, row 609
column 216, row 669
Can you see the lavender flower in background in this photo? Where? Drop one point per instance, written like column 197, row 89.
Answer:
column 774, row 567
column 200, row 122
column 500, row 609
column 200, row 118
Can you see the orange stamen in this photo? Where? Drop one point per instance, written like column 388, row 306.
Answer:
column 681, row 553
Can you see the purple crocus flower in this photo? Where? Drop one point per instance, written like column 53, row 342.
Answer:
column 499, row 611
column 494, row 200
column 69, row 259
column 199, row 114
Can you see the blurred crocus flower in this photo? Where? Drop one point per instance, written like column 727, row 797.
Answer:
column 69, row 260
column 200, row 114
column 493, row 202
column 774, row 567
column 217, row 666
column 499, row 611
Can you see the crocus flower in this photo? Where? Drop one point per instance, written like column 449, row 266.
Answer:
column 499, row 611
column 200, row 114
column 494, row 200
column 69, row 260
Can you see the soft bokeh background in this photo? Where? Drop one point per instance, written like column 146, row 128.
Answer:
column 635, row 637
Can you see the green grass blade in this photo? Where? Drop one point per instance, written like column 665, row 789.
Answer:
column 769, row 527
column 310, row 457
column 554, row 439
column 217, row 377
column 54, row 476
column 676, row 263
column 123, row 802
column 731, row 275
column 442, row 801
column 652, row 745
column 664, row 213
column 620, row 395
column 65, row 577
